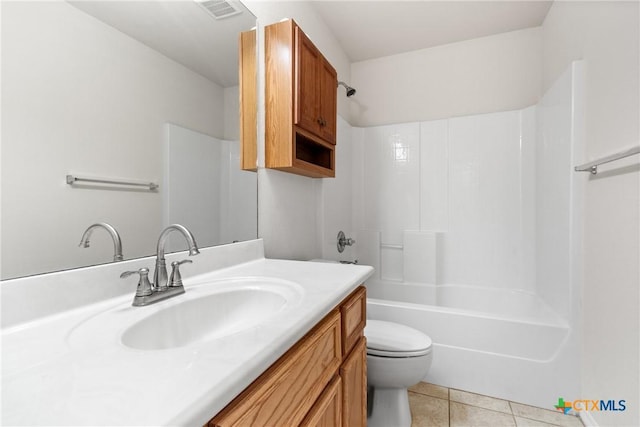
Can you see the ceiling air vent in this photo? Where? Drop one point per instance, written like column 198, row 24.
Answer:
column 220, row 9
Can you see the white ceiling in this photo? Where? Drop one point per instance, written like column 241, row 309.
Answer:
column 373, row 29
column 185, row 32
column 181, row 30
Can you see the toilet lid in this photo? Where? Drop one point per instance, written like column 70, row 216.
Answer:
column 395, row 340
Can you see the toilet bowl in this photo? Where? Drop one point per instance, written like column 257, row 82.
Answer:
column 397, row 358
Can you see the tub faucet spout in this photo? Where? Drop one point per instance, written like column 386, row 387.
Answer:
column 160, row 274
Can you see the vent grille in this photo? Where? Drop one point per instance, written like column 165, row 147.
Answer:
column 220, row 9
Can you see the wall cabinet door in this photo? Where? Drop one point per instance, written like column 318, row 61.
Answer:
column 316, row 90
column 307, row 100
column 328, row 79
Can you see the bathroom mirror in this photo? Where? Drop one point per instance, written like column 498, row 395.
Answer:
column 120, row 90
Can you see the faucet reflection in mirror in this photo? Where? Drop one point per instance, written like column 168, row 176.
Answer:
column 115, row 236
column 147, row 292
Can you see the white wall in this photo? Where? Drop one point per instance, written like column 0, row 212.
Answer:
column 338, row 199
column 606, row 35
column 489, row 74
column 79, row 96
column 232, row 113
column 289, row 205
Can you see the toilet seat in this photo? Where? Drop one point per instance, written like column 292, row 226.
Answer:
column 388, row 339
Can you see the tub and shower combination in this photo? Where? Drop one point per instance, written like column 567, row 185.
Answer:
column 473, row 225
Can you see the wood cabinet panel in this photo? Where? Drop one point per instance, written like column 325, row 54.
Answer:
column 354, row 318
column 354, row 385
column 327, row 412
column 248, row 101
column 279, row 62
column 328, row 79
column 307, row 106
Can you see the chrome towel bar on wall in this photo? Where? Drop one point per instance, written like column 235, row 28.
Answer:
column 593, row 166
column 74, row 179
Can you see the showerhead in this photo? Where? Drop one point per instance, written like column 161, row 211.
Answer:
column 350, row 91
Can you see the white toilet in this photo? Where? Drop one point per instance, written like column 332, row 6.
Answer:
column 397, row 358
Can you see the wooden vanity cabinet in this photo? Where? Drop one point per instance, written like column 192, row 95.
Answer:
column 301, row 103
column 315, row 383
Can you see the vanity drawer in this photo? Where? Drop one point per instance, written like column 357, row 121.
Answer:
column 284, row 394
column 354, row 318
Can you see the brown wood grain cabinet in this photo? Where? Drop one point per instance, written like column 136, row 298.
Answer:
column 301, row 103
column 315, row 96
column 248, row 101
column 354, row 384
column 315, row 383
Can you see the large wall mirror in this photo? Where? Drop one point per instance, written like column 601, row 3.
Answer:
column 140, row 91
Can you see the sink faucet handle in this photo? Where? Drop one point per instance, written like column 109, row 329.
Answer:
column 144, row 286
column 175, row 280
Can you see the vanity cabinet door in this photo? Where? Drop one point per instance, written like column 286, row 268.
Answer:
column 354, row 386
column 327, row 412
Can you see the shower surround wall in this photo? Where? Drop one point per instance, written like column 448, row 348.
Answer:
column 474, row 227
column 450, row 201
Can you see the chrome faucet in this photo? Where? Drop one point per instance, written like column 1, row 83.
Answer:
column 344, row 241
column 117, row 243
column 147, row 292
column 160, row 273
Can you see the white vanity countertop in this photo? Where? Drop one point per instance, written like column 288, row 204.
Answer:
column 71, row 368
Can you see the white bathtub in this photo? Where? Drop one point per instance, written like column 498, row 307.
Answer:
column 502, row 343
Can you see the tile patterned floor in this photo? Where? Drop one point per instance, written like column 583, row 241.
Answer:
column 435, row 406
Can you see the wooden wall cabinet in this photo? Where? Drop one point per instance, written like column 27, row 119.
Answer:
column 319, row 382
column 301, row 103
column 248, row 88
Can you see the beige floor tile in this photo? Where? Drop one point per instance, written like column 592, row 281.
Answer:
column 545, row 415
column 479, row 400
column 526, row 422
column 464, row 415
column 427, row 411
column 430, row 390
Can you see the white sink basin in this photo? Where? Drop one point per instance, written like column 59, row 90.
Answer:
column 211, row 312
